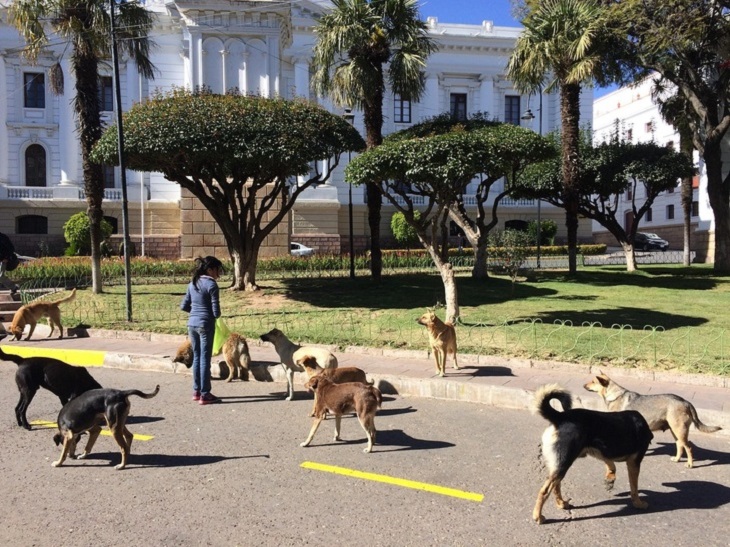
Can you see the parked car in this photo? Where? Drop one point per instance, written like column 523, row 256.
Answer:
column 645, row 241
column 297, row 249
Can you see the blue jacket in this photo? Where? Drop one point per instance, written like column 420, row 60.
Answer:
column 202, row 303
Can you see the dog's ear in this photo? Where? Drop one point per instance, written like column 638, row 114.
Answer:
column 603, row 379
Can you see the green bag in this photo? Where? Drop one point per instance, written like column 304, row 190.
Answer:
column 222, row 332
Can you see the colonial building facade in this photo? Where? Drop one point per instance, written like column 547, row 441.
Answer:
column 259, row 47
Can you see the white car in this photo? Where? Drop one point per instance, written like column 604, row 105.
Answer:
column 297, row 249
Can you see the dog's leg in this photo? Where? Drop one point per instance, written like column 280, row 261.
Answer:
column 118, row 434
column 68, row 442
column 290, row 382
column 634, row 467
column 315, row 425
column 129, row 437
column 314, row 408
column 231, row 370
column 456, row 364
column 541, row 497
column 560, row 501
column 367, row 424
column 32, row 328
column 22, row 407
column 681, row 438
column 610, row 474
column 93, row 435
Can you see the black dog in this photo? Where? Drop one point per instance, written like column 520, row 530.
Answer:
column 608, row 436
column 86, row 412
column 63, row 380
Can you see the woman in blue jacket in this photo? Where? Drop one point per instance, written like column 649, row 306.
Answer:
column 203, row 304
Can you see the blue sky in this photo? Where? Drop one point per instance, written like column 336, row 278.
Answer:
column 473, row 12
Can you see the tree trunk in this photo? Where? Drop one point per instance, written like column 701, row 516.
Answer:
column 687, row 148
column 481, row 267
column 630, row 256
column 570, row 141
column 373, row 118
column 719, row 194
column 84, row 64
column 244, row 268
column 450, row 293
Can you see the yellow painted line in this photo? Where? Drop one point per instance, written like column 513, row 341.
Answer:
column 444, row 491
column 53, row 425
column 80, row 357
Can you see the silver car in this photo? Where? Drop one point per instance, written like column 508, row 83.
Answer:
column 297, row 249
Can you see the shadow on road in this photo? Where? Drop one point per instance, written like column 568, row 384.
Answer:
column 138, row 461
column 703, row 457
column 398, row 437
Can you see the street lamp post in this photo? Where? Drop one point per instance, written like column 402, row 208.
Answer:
column 528, row 115
column 122, row 166
column 350, row 118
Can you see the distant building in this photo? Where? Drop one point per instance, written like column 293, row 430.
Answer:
column 639, row 120
column 255, row 47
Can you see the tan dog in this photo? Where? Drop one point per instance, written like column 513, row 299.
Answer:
column 337, row 375
column 235, row 352
column 442, row 338
column 291, row 354
column 661, row 412
column 32, row 312
column 364, row 400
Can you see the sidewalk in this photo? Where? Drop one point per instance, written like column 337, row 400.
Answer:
column 489, row 380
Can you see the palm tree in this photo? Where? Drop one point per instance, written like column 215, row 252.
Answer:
column 357, row 42
column 562, row 44
column 85, row 26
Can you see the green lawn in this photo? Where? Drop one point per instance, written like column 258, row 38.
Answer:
column 660, row 317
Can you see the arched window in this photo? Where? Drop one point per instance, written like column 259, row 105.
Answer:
column 35, row 165
column 31, row 224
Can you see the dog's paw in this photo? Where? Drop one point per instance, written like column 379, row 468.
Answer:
column 609, row 484
column 120, row 466
column 56, row 464
column 539, row 519
column 640, row 504
column 367, row 450
column 304, row 444
column 82, row 456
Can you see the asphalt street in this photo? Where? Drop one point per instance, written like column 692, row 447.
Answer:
column 234, row 474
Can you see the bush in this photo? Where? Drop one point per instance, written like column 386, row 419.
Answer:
column 77, row 232
column 548, row 229
column 509, row 250
column 404, row 233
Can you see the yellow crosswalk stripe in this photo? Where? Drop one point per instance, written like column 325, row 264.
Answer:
column 79, row 357
column 471, row 496
column 52, row 425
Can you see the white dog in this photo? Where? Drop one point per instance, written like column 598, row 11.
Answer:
column 292, row 355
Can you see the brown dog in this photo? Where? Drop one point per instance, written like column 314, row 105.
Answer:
column 661, row 412
column 32, row 312
column 337, row 375
column 442, row 338
column 85, row 412
column 363, row 399
column 235, row 352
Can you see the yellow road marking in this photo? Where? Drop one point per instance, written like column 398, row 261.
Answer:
column 80, row 357
column 52, row 425
column 471, row 496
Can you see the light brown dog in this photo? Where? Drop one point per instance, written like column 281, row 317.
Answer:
column 662, row 412
column 291, row 354
column 32, row 312
column 235, row 352
column 337, row 375
column 442, row 338
column 338, row 399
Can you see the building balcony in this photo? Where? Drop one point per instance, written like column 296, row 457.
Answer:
column 65, row 192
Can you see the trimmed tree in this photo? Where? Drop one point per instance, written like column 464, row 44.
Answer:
column 612, row 169
column 239, row 155
column 425, row 178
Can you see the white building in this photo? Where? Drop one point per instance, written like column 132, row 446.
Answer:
column 262, row 47
column 639, row 120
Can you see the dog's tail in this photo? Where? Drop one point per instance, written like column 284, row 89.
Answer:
column 699, row 425
column 17, row 359
column 68, row 298
column 377, row 394
column 547, row 393
column 138, row 393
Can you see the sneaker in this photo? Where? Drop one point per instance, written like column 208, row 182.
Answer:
column 196, row 396
column 209, row 399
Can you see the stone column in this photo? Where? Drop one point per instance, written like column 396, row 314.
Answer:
column 69, row 146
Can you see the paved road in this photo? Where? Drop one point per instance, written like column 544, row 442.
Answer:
column 231, row 474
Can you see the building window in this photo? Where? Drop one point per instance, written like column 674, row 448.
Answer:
column 670, row 212
column 34, row 90
column 109, row 181
column 106, row 94
column 648, row 127
column 512, row 111
column 630, row 194
column 629, row 134
column 35, row 165
column 402, row 112
column 31, row 224
column 648, row 215
column 458, row 106
column 695, row 208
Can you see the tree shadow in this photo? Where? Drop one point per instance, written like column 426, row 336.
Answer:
column 636, row 318
column 143, row 419
column 488, row 370
column 397, row 437
column 395, row 411
column 661, row 277
column 139, row 461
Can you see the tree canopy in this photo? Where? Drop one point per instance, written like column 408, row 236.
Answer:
column 239, row 155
